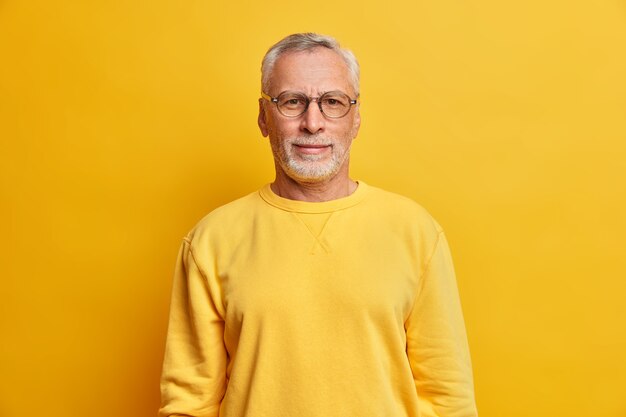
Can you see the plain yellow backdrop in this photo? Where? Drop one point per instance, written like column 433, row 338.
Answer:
column 123, row 122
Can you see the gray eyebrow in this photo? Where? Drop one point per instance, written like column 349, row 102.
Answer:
column 309, row 97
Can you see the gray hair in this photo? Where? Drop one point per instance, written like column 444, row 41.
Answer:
column 299, row 42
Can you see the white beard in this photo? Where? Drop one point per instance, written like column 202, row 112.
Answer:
column 306, row 167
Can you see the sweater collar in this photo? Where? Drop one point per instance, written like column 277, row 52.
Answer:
column 298, row 206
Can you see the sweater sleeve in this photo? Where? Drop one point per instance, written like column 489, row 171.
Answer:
column 437, row 343
column 193, row 379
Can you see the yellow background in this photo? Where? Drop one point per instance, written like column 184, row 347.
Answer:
column 124, row 122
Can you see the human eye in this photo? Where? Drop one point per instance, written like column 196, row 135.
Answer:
column 292, row 101
column 335, row 100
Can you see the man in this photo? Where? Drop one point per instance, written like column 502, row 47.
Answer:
column 317, row 296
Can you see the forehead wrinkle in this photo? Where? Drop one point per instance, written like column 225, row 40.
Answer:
column 311, row 72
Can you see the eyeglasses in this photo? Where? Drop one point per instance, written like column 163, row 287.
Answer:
column 333, row 104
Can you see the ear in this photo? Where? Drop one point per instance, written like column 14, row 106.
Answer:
column 262, row 120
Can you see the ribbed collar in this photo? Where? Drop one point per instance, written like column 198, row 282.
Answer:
column 298, row 206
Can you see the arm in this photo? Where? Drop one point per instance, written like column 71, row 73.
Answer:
column 193, row 380
column 437, row 343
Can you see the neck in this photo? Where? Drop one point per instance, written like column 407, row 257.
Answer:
column 339, row 186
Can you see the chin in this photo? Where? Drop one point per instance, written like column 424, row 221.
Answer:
column 310, row 174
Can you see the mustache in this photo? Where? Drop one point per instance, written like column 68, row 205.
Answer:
column 316, row 140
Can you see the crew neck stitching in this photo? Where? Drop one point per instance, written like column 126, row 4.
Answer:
column 317, row 238
column 296, row 206
column 323, row 230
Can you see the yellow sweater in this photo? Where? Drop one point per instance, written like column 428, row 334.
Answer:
column 345, row 308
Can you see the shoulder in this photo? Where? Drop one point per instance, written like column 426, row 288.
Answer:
column 402, row 210
column 224, row 220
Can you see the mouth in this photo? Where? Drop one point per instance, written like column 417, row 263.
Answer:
column 312, row 149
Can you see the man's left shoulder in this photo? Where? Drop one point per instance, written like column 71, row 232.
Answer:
column 403, row 209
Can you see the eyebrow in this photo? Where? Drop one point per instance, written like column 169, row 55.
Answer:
column 304, row 94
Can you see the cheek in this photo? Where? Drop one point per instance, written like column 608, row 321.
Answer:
column 351, row 130
column 354, row 131
column 277, row 141
column 356, row 123
column 281, row 128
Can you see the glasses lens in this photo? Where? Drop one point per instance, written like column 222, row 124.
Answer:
column 335, row 104
column 292, row 104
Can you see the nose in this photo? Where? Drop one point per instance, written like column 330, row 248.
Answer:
column 313, row 119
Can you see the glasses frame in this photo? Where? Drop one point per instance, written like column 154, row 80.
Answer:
column 308, row 102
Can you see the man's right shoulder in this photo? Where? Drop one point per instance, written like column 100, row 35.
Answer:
column 228, row 217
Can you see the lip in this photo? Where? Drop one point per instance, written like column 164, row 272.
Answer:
column 312, row 149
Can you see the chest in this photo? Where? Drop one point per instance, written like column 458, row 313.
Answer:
column 315, row 270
